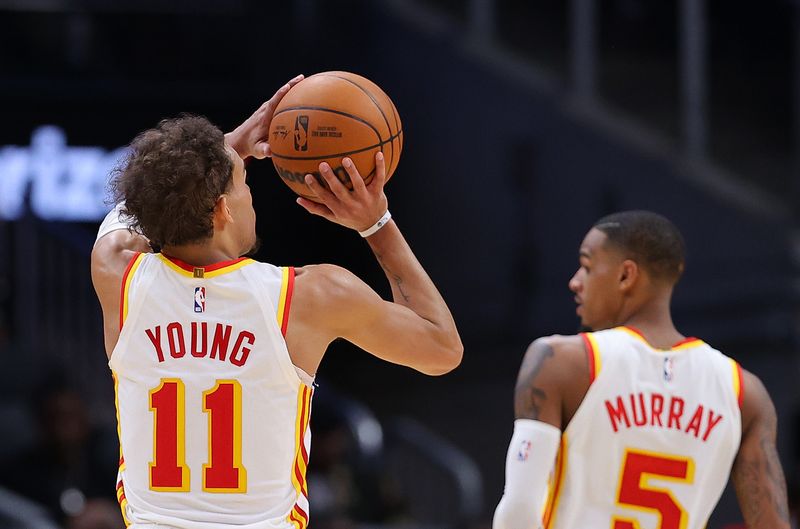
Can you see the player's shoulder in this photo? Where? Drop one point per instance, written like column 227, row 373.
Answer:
column 111, row 258
column 113, row 252
column 756, row 404
column 565, row 353
column 332, row 297
column 326, row 286
column 329, row 278
column 562, row 345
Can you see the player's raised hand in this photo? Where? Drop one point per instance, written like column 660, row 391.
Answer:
column 251, row 138
column 357, row 209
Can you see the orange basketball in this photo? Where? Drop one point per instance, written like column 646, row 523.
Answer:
column 328, row 116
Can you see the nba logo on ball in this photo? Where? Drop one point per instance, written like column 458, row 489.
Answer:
column 301, row 133
column 200, row 299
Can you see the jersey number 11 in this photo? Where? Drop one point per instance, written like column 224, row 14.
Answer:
column 224, row 471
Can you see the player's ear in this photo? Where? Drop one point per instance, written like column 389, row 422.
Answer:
column 628, row 275
column 222, row 212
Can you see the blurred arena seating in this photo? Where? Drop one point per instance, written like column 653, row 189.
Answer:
column 393, row 474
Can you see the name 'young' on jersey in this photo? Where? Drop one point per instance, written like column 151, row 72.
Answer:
column 212, row 415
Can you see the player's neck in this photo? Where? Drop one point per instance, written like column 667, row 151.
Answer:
column 654, row 321
column 201, row 254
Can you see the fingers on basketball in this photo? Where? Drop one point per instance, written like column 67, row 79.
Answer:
column 380, row 172
column 335, row 185
column 329, row 116
column 359, row 188
column 315, row 208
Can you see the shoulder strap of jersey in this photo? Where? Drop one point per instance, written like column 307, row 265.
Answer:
column 738, row 381
column 285, row 297
column 127, row 278
column 593, row 355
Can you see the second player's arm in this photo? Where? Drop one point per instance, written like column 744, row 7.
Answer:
column 552, row 380
column 757, row 474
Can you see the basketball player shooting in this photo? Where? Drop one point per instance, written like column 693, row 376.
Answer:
column 640, row 426
column 214, row 354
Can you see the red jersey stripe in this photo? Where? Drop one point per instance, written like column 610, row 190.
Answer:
column 590, row 353
column 288, row 301
column 123, row 289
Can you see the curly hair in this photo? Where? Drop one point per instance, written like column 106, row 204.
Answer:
column 172, row 178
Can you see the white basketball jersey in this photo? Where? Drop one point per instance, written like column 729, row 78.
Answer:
column 212, row 416
column 652, row 444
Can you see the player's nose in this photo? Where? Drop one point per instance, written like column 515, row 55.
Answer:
column 574, row 283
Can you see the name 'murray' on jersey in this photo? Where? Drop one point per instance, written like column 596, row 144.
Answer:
column 656, row 410
column 225, row 344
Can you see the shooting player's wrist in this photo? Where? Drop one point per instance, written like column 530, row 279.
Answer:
column 380, row 223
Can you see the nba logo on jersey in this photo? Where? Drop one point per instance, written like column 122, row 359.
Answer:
column 524, row 450
column 668, row 369
column 200, row 299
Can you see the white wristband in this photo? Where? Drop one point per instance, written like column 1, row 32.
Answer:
column 378, row 225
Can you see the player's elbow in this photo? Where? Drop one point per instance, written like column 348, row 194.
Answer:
column 447, row 356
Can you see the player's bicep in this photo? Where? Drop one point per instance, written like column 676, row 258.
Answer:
column 537, row 395
column 389, row 331
column 757, row 474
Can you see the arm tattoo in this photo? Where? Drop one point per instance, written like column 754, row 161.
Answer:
column 759, row 481
column 393, row 277
column 774, row 471
column 529, row 397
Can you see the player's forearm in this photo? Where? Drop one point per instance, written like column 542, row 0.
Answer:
column 410, row 284
column 757, row 474
column 761, row 490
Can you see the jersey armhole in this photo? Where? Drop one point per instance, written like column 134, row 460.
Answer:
column 285, row 298
column 124, row 294
column 592, row 355
column 738, row 382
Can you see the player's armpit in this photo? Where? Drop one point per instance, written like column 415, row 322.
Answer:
column 757, row 474
column 341, row 305
column 110, row 256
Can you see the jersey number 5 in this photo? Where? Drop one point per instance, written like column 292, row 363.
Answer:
column 224, row 471
column 635, row 492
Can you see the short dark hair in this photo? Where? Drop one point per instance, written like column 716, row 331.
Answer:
column 172, row 178
column 648, row 238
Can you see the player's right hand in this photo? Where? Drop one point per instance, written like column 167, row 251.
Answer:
column 358, row 209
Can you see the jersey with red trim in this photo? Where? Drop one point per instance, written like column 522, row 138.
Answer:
column 652, row 444
column 212, row 416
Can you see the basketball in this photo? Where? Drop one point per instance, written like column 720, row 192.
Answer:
column 326, row 117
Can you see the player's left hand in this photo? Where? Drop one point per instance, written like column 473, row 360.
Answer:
column 358, row 209
column 251, row 138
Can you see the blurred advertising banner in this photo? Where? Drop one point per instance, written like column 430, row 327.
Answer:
column 53, row 180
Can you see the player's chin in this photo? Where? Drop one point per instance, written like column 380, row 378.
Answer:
column 586, row 323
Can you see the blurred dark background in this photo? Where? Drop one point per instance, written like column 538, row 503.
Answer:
column 524, row 122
